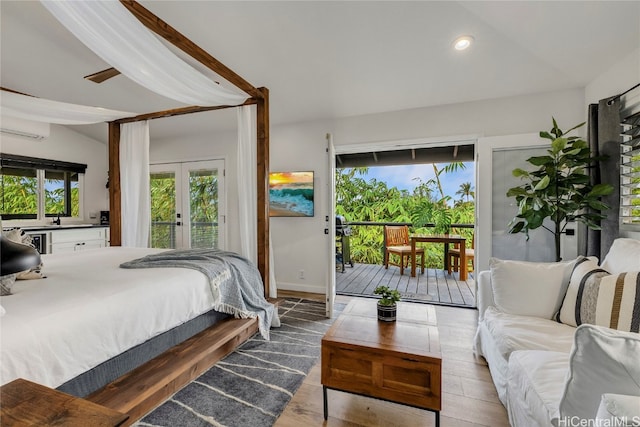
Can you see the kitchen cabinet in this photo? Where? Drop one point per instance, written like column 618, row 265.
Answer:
column 78, row 239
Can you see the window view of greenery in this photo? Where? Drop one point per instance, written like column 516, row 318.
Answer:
column 163, row 210
column 19, row 193
column 203, row 203
column 427, row 207
column 55, row 193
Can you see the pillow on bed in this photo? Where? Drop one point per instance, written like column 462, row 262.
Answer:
column 17, row 235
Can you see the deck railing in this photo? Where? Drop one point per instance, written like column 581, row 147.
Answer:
column 369, row 247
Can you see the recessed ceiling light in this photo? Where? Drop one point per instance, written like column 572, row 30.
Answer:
column 462, row 42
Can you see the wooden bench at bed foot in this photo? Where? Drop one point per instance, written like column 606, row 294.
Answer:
column 25, row 403
column 144, row 388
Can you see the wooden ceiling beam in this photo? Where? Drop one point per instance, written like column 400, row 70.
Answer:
column 179, row 112
column 176, row 38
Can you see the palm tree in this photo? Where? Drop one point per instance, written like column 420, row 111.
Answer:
column 466, row 190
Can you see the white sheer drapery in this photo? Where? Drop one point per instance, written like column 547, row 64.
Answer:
column 135, row 194
column 61, row 113
column 248, row 192
column 115, row 35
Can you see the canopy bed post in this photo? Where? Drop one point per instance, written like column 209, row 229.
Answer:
column 259, row 96
column 262, row 156
column 115, row 204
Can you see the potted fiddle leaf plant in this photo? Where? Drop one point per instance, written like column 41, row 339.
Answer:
column 387, row 304
column 559, row 188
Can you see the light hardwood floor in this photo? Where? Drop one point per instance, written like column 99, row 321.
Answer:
column 469, row 397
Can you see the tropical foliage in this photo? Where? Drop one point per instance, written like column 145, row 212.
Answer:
column 203, row 199
column 559, row 188
column 19, row 196
column 426, row 208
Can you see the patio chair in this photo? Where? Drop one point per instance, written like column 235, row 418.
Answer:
column 397, row 243
column 453, row 263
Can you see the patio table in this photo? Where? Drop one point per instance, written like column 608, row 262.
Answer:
column 441, row 238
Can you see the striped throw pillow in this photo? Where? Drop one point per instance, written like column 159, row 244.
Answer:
column 599, row 298
column 617, row 302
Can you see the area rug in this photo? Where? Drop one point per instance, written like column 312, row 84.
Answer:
column 252, row 385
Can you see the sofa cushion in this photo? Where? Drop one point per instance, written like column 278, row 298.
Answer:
column 602, row 361
column 618, row 410
column 512, row 332
column 529, row 288
column 624, row 255
column 535, row 384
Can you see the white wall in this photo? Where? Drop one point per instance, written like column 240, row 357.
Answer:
column 65, row 144
column 300, row 243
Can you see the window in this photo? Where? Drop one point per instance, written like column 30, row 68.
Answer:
column 34, row 188
column 630, row 172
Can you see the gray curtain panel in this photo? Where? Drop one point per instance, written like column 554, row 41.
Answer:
column 589, row 240
column 603, row 134
column 609, row 145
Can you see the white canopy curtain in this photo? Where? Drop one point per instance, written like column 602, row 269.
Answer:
column 247, row 192
column 135, row 195
column 48, row 111
column 116, row 36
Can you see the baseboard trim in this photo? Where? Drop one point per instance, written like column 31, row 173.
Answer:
column 298, row 287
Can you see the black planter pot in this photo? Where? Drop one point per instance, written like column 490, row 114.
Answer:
column 387, row 313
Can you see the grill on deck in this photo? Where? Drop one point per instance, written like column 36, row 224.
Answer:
column 343, row 253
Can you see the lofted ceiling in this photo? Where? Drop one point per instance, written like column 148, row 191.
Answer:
column 333, row 59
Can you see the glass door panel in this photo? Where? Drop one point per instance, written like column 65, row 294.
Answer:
column 203, row 208
column 187, row 205
column 496, row 158
column 163, row 206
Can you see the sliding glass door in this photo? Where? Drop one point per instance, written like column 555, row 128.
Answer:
column 187, row 205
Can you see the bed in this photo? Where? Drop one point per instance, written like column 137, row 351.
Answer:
column 90, row 321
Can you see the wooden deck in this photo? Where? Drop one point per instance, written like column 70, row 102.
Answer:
column 434, row 286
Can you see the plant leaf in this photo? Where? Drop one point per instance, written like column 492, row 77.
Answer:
column 539, row 161
column 601, row 190
column 558, row 145
column 542, row 184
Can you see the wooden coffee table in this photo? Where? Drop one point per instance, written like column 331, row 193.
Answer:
column 396, row 361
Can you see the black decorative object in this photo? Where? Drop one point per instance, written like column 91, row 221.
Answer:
column 16, row 257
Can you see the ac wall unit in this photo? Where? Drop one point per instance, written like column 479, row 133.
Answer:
column 24, row 128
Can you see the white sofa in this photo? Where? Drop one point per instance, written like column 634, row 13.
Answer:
column 554, row 374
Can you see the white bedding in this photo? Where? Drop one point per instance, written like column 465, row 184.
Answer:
column 88, row 310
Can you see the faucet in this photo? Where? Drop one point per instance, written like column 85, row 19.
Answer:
column 57, row 220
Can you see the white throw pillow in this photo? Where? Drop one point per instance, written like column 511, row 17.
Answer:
column 602, row 361
column 529, row 288
column 624, row 255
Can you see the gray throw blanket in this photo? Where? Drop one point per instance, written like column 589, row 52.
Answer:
column 235, row 282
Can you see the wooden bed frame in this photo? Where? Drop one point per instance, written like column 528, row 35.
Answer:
column 141, row 390
column 259, row 97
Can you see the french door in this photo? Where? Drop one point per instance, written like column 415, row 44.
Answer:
column 496, row 159
column 187, row 205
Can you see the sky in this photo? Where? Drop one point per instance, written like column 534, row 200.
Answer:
column 402, row 177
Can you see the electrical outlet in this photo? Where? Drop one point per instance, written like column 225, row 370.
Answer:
column 301, row 274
